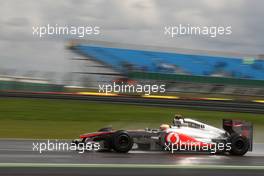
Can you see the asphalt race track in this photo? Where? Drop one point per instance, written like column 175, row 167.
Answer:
column 17, row 157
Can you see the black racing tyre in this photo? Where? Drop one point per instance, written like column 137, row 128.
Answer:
column 239, row 144
column 122, row 141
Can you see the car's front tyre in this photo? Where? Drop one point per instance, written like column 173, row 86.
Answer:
column 122, row 142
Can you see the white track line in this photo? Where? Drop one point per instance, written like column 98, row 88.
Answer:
column 150, row 166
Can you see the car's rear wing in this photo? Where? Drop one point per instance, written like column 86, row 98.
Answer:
column 241, row 127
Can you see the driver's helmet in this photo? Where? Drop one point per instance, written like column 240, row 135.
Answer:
column 177, row 120
column 164, row 127
column 178, row 116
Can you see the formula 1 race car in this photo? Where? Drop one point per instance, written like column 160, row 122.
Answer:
column 184, row 134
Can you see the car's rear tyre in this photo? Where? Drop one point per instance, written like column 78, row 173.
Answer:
column 239, row 144
column 122, row 141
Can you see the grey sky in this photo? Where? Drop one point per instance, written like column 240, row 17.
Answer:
column 125, row 21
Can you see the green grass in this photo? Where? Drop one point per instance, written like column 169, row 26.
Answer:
column 42, row 118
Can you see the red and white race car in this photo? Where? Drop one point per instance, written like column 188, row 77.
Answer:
column 184, row 134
